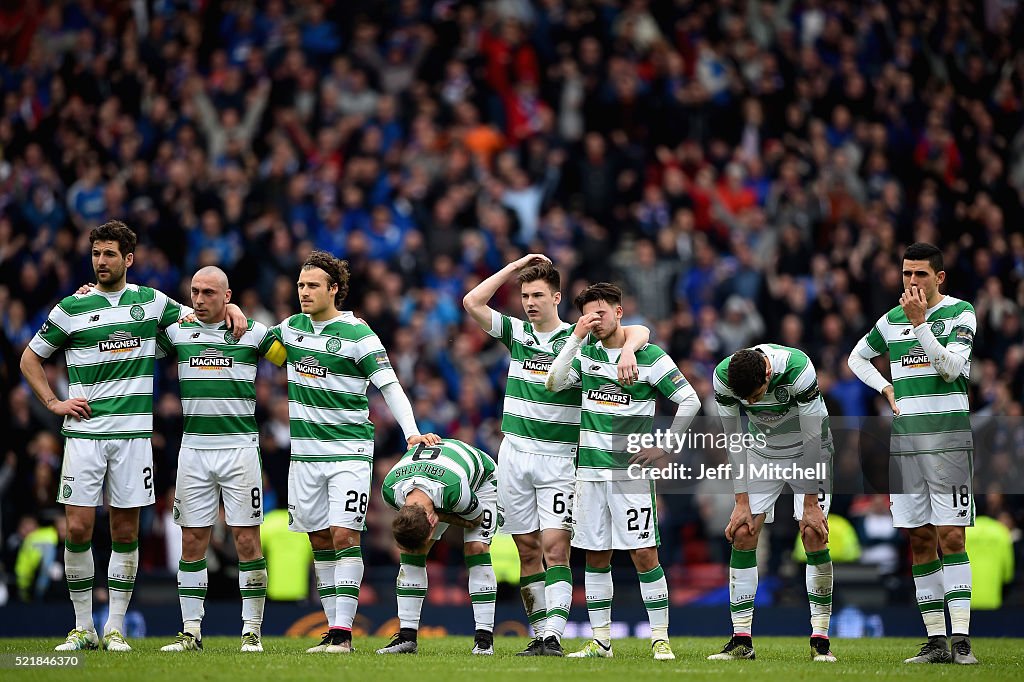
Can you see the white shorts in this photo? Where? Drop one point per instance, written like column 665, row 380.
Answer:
column 534, row 491
column 615, row 515
column 326, row 494
column 938, row 490
column 763, row 494
column 206, row 475
column 488, row 496
column 126, row 464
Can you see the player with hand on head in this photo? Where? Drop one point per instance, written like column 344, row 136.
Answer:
column 332, row 357
column 536, row 459
column 929, row 337
column 432, row 487
column 614, row 511
column 108, row 334
column 778, row 389
column 220, row 453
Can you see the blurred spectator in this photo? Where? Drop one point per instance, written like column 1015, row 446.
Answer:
column 881, row 544
column 995, row 564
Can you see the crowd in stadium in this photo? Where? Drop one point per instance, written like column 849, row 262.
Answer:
column 748, row 170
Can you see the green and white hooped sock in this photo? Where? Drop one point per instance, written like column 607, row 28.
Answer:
column 252, row 584
column 532, row 589
column 124, row 564
column 599, row 591
column 192, row 584
column 80, row 572
column 818, row 578
column 928, row 581
column 483, row 589
column 742, row 589
column 654, row 590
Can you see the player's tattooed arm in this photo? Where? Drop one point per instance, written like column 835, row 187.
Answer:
column 35, row 375
column 456, row 520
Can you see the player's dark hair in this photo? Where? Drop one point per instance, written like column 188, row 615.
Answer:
column 411, row 527
column 115, row 231
column 336, row 269
column 602, row 291
column 541, row 271
column 925, row 251
column 747, row 372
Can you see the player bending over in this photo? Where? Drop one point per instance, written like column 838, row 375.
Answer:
column 778, row 389
column 433, row 486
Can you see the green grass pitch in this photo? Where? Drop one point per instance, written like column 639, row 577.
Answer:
column 448, row 660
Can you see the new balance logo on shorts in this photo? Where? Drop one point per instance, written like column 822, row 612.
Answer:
column 94, row 318
column 962, row 513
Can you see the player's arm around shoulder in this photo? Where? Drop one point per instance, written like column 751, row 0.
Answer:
column 637, row 337
column 268, row 344
column 167, row 340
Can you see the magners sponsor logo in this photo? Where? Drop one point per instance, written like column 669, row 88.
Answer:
column 211, row 358
column 539, row 363
column 609, row 394
column 310, row 367
column 915, row 357
column 120, row 342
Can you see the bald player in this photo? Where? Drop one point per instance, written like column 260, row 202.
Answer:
column 220, row 454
